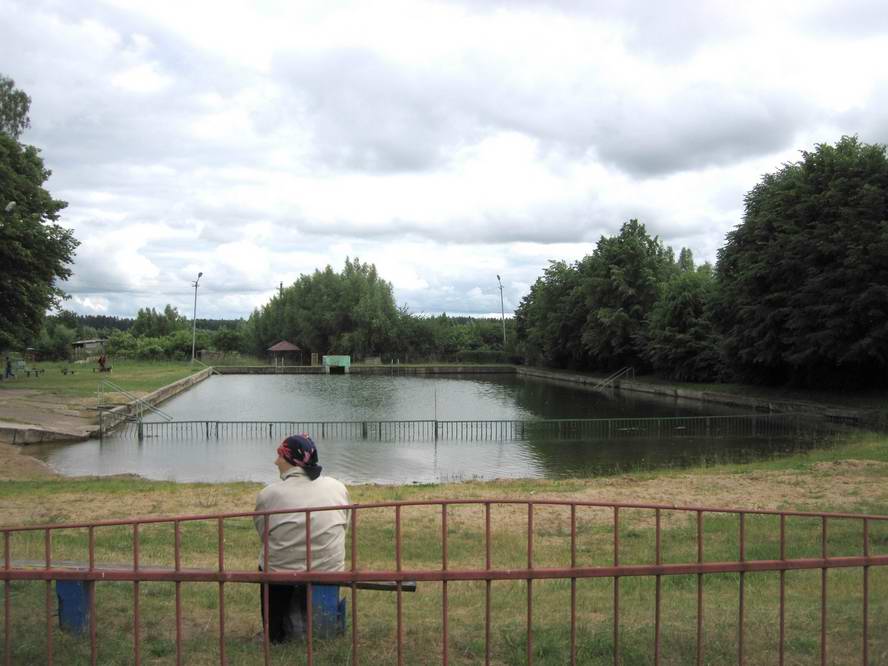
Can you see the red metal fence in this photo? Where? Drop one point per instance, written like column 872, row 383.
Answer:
column 515, row 543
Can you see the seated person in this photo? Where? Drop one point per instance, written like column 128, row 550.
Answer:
column 301, row 486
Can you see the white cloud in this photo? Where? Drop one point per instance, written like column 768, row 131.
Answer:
column 143, row 78
column 445, row 142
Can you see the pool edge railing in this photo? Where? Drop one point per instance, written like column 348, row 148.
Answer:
column 418, row 430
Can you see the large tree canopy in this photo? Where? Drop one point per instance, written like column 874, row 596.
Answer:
column 549, row 320
column 352, row 312
column 621, row 281
column 593, row 314
column 35, row 252
column 804, row 278
column 681, row 341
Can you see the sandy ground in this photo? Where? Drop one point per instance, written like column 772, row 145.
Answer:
column 16, row 464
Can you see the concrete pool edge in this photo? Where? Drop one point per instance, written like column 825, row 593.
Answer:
column 156, row 397
column 757, row 404
column 391, row 370
column 20, row 434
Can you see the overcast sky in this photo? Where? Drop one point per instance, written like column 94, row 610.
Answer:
column 444, row 142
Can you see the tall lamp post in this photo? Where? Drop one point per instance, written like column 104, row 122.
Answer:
column 194, row 317
column 502, row 310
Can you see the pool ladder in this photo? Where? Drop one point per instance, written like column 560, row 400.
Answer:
column 136, row 408
column 624, row 373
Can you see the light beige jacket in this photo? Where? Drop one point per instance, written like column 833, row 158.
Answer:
column 286, row 531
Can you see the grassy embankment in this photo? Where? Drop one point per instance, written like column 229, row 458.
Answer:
column 849, row 477
column 81, row 380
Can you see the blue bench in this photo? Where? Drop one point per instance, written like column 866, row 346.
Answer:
column 74, row 598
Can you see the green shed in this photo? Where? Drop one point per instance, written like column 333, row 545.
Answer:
column 337, row 365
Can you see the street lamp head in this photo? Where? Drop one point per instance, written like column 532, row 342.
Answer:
column 200, row 274
column 497, row 276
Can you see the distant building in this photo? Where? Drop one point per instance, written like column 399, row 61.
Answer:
column 284, row 353
column 81, row 349
column 337, row 364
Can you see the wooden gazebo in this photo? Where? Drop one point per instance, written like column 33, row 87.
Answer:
column 284, row 353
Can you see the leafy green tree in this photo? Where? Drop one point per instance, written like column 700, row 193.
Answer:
column 35, row 251
column 177, row 345
column 804, row 279
column 14, row 107
column 122, row 343
column 620, row 282
column 228, row 339
column 150, row 323
column 369, row 315
column 681, row 342
column 417, row 336
column 549, row 320
column 352, row 312
column 54, row 341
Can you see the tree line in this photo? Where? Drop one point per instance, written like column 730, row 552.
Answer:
column 353, row 312
column 798, row 295
column 350, row 312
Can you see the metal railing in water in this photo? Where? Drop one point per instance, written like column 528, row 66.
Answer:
column 500, row 581
column 623, row 373
column 112, row 416
column 752, row 426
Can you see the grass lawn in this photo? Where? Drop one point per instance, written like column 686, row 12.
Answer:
column 852, row 476
column 134, row 376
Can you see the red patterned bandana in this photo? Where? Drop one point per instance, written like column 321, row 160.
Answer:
column 300, row 451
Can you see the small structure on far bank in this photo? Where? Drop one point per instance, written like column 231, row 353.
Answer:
column 84, row 349
column 284, row 353
column 337, row 365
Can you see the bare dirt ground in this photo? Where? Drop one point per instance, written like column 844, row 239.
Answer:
column 16, row 464
column 37, row 408
column 24, row 407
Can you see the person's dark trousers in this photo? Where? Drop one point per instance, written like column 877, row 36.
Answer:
column 286, row 612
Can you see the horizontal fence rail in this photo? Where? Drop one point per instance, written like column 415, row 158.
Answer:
column 751, row 426
column 740, row 586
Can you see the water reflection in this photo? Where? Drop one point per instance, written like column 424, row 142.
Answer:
column 347, row 398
